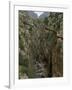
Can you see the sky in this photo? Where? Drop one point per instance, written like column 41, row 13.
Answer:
column 39, row 13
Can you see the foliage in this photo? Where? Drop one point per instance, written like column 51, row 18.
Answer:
column 40, row 49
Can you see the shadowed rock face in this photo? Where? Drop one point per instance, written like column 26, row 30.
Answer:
column 40, row 48
column 39, row 15
column 32, row 14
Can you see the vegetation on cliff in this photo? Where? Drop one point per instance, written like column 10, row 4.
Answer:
column 40, row 45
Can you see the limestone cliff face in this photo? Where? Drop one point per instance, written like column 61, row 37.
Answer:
column 40, row 45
